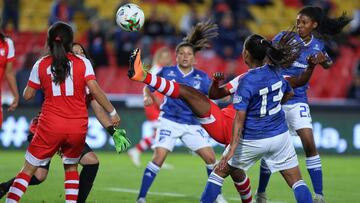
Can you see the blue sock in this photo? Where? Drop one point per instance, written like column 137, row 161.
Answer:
column 302, row 192
column 265, row 174
column 209, row 168
column 149, row 175
column 212, row 189
column 313, row 165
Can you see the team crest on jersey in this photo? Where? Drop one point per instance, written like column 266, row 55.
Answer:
column 196, row 84
column 237, row 99
column 317, row 48
column 171, row 74
column 2, row 52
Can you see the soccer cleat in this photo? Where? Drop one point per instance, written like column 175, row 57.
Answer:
column 134, row 156
column 319, row 199
column 220, row 199
column 121, row 142
column 141, row 200
column 136, row 71
column 260, row 197
column 3, row 190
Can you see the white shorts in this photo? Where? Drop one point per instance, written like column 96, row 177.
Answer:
column 193, row 136
column 297, row 117
column 278, row 152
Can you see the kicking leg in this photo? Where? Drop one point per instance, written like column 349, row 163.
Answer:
column 90, row 164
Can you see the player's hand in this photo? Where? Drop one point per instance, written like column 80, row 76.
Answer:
column 218, row 76
column 115, row 120
column 14, row 104
column 318, row 58
column 224, row 160
column 121, row 142
column 148, row 100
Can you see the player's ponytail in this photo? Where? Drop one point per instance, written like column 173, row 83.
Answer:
column 199, row 36
column 60, row 39
column 282, row 54
column 327, row 27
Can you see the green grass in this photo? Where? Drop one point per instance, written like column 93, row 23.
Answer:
column 187, row 180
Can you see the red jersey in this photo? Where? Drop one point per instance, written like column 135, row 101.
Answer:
column 67, row 99
column 7, row 54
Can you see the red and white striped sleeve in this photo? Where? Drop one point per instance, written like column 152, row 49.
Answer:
column 34, row 79
column 233, row 84
column 89, row 71
column 11, row 50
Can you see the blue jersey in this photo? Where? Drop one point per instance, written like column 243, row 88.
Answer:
column 311, row 48
column 175, row 109
column 259, row 94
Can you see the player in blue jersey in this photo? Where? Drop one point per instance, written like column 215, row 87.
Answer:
column 312, row 26
column 176, row 119
column 217, row 122
column 259, row 127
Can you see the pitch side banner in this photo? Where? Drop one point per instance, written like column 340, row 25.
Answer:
column 336, row 131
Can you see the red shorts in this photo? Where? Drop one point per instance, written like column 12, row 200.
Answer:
column 46, row 143
column 219, row 123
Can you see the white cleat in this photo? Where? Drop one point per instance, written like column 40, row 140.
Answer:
column 141, row 200
column 134, row 156
column 260, row 197
column 220, row 199
column 319, row 199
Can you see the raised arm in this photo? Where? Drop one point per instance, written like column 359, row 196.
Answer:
column 215, row 91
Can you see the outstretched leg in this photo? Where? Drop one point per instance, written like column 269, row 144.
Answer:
column 199, row 103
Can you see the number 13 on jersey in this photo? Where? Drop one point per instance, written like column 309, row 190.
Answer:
column 277, row 98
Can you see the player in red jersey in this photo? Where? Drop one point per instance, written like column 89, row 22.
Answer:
column 63, row 121
column 7, row 56
column 88, row 160
column 152, row 101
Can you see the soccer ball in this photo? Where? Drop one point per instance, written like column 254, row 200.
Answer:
column 130, row 17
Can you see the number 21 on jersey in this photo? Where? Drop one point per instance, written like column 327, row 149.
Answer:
column 277, row 98
column 69, row 83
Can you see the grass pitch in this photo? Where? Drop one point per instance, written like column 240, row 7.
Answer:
column 119, row 181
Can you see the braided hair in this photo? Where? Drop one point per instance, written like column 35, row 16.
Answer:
column 327, row 27
column 199, row 36
column 282, row 54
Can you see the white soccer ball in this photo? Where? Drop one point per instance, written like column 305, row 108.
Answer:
column 130, row 17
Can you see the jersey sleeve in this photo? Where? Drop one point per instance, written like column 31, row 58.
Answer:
column 242, row 95
column 11, row 50
column 233, row 84
column 89, row 71
column 278, row 37
column 34, row 79
column 323, row 49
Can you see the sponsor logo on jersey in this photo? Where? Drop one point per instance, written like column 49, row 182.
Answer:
column 171, row 74
column 300, row 65
column 197, row 76
column 237, row 99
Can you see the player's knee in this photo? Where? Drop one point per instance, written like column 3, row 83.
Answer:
column 36, row 180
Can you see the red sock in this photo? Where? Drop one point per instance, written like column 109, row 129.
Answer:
column 244, row 190
column 18, row 187
column 165, row 87
column 71, row 186
column 144, row 144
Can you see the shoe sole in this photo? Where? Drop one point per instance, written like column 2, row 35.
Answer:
column 135, row 71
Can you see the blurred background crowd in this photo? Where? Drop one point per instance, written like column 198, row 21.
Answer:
column 166, row 23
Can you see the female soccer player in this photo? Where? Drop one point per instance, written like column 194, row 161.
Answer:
column 6, row 69
column 63, row 121
column 152, row 102
column 176, row 119
column 310, row 22
column 217, row 122
column 88, row 160
column 259, row 129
